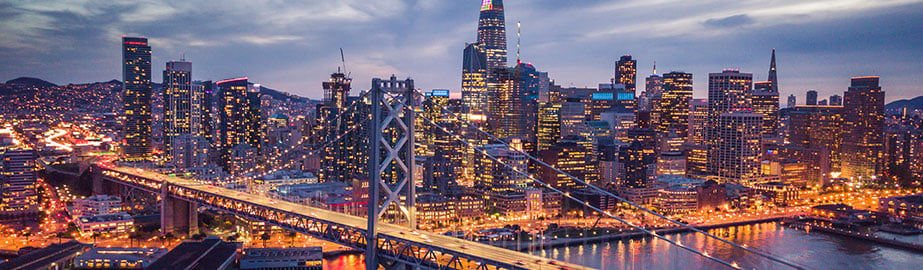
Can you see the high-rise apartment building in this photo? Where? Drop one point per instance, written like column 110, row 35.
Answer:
column 179, row 99
column 549, row 125
column 336, row 90
column 673, row 109
column 500, row 185
column 810, row 98
column 18, row 175
column 730, row 92
column 734, row 155
column 863, row 112
column 792, row 101
column 239, row 109
column 820, row 128
column 136, row 98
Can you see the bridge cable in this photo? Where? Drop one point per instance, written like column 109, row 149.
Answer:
column 607, row 193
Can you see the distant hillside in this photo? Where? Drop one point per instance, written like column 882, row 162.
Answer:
column 911, row 104
column 30, row 82
column 280, row 95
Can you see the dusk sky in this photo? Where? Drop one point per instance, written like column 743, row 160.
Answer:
column 293, row 45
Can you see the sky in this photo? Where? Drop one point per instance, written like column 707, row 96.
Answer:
column 294, row 45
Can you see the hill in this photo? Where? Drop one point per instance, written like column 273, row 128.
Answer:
column 911, row 104
column 30, row 82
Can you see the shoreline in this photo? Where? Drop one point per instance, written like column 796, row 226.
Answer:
column 563, row 242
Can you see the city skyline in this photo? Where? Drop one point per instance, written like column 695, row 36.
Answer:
column 284, row 50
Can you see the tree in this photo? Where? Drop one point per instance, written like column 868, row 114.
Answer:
column 60, row 235
column 132, row 237
column 265, row 237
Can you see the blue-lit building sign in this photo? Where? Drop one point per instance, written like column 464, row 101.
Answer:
column 439, row 93
column 626, row 96
column 602, row 96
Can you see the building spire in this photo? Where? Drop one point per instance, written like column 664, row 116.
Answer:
column 772, row 72
column 518, row 38
column 655, row 68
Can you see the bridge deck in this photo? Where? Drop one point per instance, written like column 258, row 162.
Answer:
column 422, row 238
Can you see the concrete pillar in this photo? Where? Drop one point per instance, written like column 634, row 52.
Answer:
column 177, row 216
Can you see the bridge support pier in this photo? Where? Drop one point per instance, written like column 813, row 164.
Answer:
column 177, row 216
column 103, row 187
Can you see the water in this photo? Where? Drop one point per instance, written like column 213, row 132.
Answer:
column 813, row 250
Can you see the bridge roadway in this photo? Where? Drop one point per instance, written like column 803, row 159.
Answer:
column 397, row 244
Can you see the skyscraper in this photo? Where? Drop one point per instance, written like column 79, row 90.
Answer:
column 178, row 116
column 734, row 155
column 773, row 77
column 474, row 81
column 510, row 108
column 863, row 112
column 18, row 175
column 766, row 103
column 792, row 101
column 673, row 109
column 492, row 33
column 206, row 110
column 653, row 84
column 549, row 125
column 626, row 71
column 811, row 98
column 240, row 116
column 136, row 98
column 336, row 90
column 729, row 91
column 836, row 100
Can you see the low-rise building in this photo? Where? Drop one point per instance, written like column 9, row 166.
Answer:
column 293, row 258
column 777, row 192
column 910, row 206
column 676, row 200
column 211, row 253
column 112, row 223
column 96, row 205
column 118, row 258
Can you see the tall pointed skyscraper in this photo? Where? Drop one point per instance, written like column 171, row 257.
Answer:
column 772, row 72
column 492, row 33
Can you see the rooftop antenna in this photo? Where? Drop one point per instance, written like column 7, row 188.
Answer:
column 182, row 57
column 518, row 38
column 655, row 67
column 343, row 59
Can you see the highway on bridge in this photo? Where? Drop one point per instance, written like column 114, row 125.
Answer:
column 507, row 259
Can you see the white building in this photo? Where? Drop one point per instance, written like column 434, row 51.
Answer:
column 96, row 205
column 112, row 224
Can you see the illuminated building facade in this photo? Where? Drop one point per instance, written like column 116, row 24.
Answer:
column 766, row 103
column 836, row 100
column 18, row 176
column 178, row 115
column 730, row 91
column 512, row 107
column 573, row 113
column 626, row 71
column 569, row 156
column 239, row 107
column 736, row 153
column 206, row 110
column 639, row 163
column 136, row 98
column 549, row 125
column 336, row 90
column 673, row 109
column 500, row 186
column 492, row 33
column 474, row 81
column 818, row 127
column 863, row 113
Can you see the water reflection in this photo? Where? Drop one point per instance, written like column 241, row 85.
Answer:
column 811, row 250
column 814, row 250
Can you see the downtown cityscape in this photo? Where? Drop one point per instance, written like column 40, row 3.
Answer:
column 512, row 167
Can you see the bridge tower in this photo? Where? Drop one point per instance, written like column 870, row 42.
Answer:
column 391, row 158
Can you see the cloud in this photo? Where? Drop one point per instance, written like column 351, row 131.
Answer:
column 730, row 21
column 293, row 45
